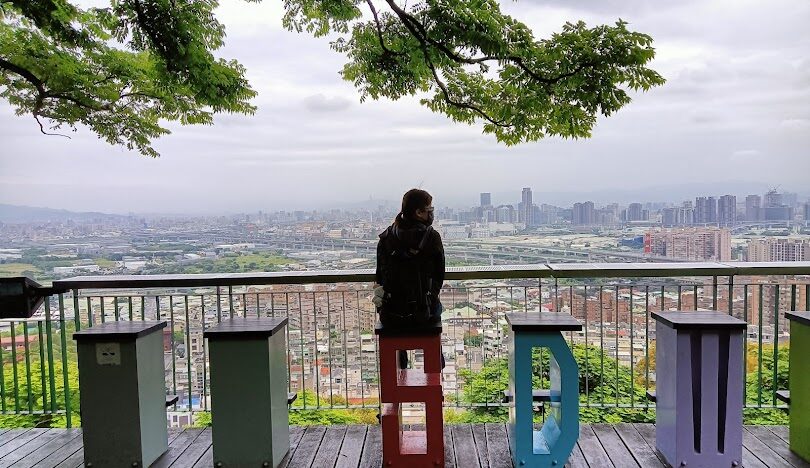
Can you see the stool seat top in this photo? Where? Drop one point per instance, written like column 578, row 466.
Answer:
column 119, row 330
column 798, row 316
column 542, row 321
column 427, row 330
column 699, row 320
column 246, row 328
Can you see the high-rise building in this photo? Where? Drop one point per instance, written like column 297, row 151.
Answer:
column 505, row 214
column 779, row 250
column 634, row 212
column 790, row 199
column 669, row 217
column 775, row 209
column 773, row 198
column 698, row 244
column 583, row 214
column 727, row 210
column 807, row 213
column 486, row 199
column 753, row 208
column 526, row 207
column 705, row 210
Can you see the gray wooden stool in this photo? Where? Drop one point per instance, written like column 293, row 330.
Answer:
column 250, row 424
column 122, row 393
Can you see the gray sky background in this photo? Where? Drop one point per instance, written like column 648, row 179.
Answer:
column 733, row 117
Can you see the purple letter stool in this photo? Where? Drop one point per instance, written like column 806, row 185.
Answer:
column 699, row 388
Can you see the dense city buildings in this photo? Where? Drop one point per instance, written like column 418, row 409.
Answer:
column 634, row 212
column 775, row 209
column 753, row 208
column 583, row 214
column 486, row 199
column 705, row 210
column 727, row 210
column 525, row 208
column 697, row 244
column 779, row 250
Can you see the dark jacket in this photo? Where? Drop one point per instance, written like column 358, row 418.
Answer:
column 409, row 233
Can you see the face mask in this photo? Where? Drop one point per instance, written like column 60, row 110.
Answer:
column 429, row 219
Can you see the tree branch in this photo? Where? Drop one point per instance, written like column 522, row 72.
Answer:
column 370, row 4
column 28, row 75
column 419, row 28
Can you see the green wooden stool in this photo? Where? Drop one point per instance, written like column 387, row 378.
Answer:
column 250, row 424
column 122, row 393
column 799, row 383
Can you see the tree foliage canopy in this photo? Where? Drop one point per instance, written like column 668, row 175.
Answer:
column 123, row 69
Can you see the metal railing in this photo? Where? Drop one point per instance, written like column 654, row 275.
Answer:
column 331, row 346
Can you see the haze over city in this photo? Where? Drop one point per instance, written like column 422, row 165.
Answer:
column 732, row 118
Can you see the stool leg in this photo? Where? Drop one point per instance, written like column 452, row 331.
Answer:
column 552, row 445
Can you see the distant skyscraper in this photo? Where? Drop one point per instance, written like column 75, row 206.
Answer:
column 753, row 208
column 486, row 199
column 583, row 214
column 635, row 212
column 773, row 199
column 727, row 210
column 705, row 210
column 526, row 207
column 775, row 209
column 807, row 213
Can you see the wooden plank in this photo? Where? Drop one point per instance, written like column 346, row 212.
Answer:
column 647, row 432
column 12, row 434
column 330, row 446
column 781, row 431
column 777, row 444
column 577, row 459
column 480, row 438
column 372, row 449
column 177, row 447
column 195, row 451
column 464, row 446
column 641, row 451
column 449, row 455
column 296, row 432
column 58, row 455
column 618, row 453
column 305, row 453
column 749, row 460
column 75, row 460
column 762, row 451
column 44, row 452
column 352, row 448
column 20, row 452
column 18, row 442
column 498, row 453
column 207, row 459
column 592, row 450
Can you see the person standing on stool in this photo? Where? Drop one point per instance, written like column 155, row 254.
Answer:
column 410, row 268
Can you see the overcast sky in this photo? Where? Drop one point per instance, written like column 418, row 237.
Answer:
column 734, row 116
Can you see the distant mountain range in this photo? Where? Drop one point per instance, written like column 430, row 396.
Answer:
column 28, row 214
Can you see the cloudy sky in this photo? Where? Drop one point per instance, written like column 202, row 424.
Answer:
column 734, row 117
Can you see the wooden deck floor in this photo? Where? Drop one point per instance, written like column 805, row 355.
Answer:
column 468, row 446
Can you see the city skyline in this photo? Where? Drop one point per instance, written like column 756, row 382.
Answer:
column 734, row 109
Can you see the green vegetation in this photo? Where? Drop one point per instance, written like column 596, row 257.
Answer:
column 18, row 269
column 24, row 394
column 617, row 384
column 253, row 262
column 123, row 69
column 614, row 385
column 316, row 417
